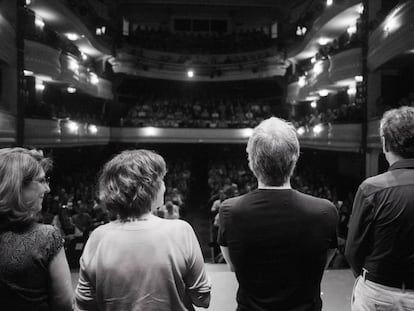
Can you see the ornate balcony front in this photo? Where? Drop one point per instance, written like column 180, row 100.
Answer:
column 393, row 37
column 7, row 129
column 42, row 59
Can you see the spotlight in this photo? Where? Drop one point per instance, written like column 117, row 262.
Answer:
column 72, row 126
column 300, row 131
column 92, row 129
column 317, row 129
column 313, row 104
column 190, row 73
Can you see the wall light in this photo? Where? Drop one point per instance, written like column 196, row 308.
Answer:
column 313, row 104
column 150, row 131
column 318, row 68
column 72, row 126
column 323, row 41
column 317, row 129
column 247, row 132
column 28, row 73
column 72, row 36
column 92, row 128
column 301, row 131
column 359, row 78
column 39, row 86
column 351, row 30
column 329, row 2
column 302, row 81
column 190, row 73
column 39, row 22
column 93, row 78
column 323, row 93
column 71, row 89
column 351, row 91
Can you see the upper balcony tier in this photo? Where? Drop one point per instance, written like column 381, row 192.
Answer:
column 393, row 39
column 332, row 74
column 170, row 66
column 334, row 21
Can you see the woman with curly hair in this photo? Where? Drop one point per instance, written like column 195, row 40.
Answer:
column 140, row 261
column 34, row 273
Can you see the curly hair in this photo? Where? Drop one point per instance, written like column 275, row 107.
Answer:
column 397, row 129
column 129, row 183
column 273, row 150
column 18, row 167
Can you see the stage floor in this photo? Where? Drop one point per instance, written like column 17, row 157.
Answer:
column 336, row 289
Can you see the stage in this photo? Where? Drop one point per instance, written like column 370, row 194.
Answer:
column 336, row 289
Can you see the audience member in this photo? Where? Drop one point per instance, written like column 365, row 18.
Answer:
column 162, row 265
column 381, row 229
column 34, row 273
column 266, row 233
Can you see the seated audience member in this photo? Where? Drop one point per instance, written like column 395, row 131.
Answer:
column 34, row 273
column 277, row 239
column 140, row 261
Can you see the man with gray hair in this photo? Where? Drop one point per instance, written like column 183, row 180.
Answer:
column 276, row 239
column 380, row 245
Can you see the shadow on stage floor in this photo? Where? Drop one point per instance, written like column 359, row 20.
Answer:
column 336, row 289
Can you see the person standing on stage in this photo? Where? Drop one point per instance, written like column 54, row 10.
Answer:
column 380, row 245
column 276, row 239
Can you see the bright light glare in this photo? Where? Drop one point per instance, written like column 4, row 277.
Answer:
column 318, row 68
column 351, row 91
column 323, row 41
column 359, row 78
column 313, row 104
column 351, row 30
column 73, row 65
column 40, row 87
column 94, row 78
column 92, row 129
column 150, row 131
column 28, row 73
column 39, row 22
column 302, row 81
column 72, row 126
column 317, row 129
column 323, row 93
column 329, row 2
column 300, row 131
column 71, row 89
column 72, row 36
column 190, row 73
column 247, row 132
column 361, row 8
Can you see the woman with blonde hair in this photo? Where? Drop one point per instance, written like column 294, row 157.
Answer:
column 34, row 273
column 140, row 261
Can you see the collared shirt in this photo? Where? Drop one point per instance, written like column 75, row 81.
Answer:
column 381, row 228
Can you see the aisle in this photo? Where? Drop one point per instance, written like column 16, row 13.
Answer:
column 336, row 288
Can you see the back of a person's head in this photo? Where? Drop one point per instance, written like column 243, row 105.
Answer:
column 129, row 182
column 18, row 167
column 273, row 150
column 397, row 130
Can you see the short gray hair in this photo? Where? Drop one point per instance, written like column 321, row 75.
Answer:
column 273, row 150
column 129, row 182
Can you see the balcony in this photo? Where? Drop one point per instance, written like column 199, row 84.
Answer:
column 7, row 129
column 42, row 59
column 393, row 37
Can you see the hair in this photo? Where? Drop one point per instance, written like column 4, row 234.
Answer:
column 129, row 183
column 18, row 167
column 273, row 150
column 397, row 129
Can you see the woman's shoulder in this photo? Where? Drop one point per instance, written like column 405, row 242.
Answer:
column 44, row 230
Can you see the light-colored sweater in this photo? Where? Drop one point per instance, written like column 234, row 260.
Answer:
column 153, row 264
